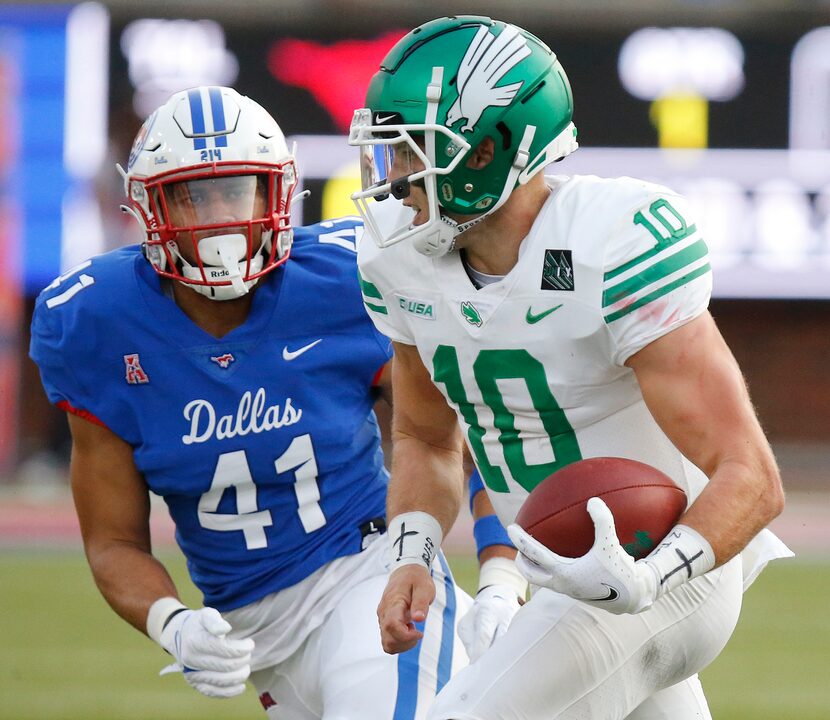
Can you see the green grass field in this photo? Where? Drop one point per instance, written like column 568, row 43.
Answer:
column 65, row 655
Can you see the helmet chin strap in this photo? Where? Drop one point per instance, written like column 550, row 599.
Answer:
column 221, row 256
column 438, row 239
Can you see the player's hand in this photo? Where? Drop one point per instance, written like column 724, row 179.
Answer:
column 405, row 602
column 606, row 576
column 488, row 618
column 213, row 663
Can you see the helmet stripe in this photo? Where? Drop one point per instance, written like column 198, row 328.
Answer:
column 217, row 109
column 197, row 118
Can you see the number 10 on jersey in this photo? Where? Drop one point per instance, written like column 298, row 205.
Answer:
column 489, row 367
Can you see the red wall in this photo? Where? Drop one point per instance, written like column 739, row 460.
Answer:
column 783, row 348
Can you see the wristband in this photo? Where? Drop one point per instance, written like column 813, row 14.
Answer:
column 476, row 486
column 489, row 531
column 502, row 571
column 160, row 612
column 414, row 539
column 683, row 555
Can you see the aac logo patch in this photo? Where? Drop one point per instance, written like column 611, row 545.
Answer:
column 133, row 372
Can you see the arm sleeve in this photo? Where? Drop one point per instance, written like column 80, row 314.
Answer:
column 656, row 274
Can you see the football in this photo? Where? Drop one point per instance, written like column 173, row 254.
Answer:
column 644, row 501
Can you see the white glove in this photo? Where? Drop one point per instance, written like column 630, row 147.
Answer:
column 606, row 576
column 214, row 664
column 501, row 593
column 487, row 619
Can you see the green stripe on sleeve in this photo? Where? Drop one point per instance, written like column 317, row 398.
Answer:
column 658, row 293
column 380, row 309
column 368, row 289
column 654, row 273
column 611, row 274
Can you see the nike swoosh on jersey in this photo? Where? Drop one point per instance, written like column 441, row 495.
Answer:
column 292, row 354
column 531, row 318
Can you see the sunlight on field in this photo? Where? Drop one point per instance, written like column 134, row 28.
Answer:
column 68, row 657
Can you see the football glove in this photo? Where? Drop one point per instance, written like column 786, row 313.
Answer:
column 606, row 576
column 487, row 619
column 501, row 595
column 212, row 663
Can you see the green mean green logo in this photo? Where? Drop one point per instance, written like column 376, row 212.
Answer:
column 642, row 545
column 471, row 315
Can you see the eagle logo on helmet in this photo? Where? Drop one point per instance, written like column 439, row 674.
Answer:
column 487, row 60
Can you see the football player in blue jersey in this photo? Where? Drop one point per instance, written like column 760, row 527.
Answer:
column 205, row 367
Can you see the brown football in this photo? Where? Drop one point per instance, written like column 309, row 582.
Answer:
column 645, row 502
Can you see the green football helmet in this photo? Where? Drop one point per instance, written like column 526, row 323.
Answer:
column 442, row 90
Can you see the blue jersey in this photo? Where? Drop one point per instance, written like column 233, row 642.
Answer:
column 263, row 443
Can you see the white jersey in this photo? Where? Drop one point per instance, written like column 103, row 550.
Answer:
column 534, row 364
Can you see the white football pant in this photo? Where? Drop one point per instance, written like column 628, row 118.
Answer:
column 340, row 671
column 565, row 660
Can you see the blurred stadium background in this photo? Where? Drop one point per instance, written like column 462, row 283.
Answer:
column 727, row 101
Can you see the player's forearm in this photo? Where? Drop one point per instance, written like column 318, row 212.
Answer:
column 740, row 500
column 482, row 508
column 425, row 478
column 130, row 579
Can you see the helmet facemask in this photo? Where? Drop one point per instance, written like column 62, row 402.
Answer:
column 215, row 229
column 392, row 158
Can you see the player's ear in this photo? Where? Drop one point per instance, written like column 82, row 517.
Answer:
column 482, row 155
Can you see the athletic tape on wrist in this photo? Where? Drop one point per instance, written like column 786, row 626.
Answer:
column 160, row 611
column 489, row 531
column 683, row 555
column 414, row 538
column 502, row 571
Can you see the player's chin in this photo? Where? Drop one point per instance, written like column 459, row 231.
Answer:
column 421, row 216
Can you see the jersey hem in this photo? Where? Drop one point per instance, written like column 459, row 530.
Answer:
column 85, row 414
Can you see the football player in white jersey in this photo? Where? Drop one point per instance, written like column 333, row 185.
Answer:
column 544, row 320
column 227, row 364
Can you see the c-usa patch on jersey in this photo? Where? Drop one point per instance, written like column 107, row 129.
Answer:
column 424, row 309
column 558, row 270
